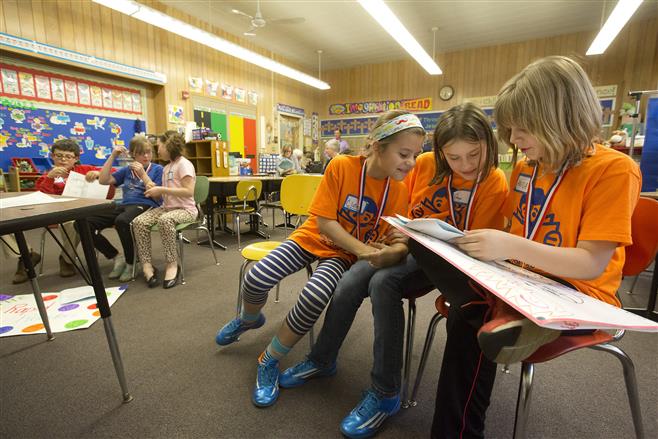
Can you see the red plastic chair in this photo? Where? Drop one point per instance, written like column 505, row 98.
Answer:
column 644, row 229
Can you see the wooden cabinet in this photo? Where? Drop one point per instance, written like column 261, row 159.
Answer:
column 209, row 157
column 17, row 181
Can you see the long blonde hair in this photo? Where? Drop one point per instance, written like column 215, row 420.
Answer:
column 552, row 99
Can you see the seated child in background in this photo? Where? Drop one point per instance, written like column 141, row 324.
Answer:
column 65, row 154
column 134, row 179
column 177, row 193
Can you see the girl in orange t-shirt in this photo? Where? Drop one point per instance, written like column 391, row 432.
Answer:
column 581, row 199
column 344, row 223
column 458, row 183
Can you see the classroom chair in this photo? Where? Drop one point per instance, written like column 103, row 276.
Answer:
column 296, row 194
column 638, row 257
column 644, row 217
column 411, row 297
column 247, row 192
column 201, row 189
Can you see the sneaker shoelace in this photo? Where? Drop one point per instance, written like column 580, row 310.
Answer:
column 368, row 405
column 267, row 374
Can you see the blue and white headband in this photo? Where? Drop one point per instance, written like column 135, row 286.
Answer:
column 395, row 125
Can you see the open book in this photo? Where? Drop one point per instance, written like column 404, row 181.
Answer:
column 431, row 226
column 78, row 187
column 544, row 301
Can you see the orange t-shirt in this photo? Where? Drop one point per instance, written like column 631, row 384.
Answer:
column 337, row 197
column 594, row 202
column 431, row 201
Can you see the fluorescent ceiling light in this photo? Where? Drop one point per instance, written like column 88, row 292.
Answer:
column 613, row 25
column 186, row 30
column 387, row 20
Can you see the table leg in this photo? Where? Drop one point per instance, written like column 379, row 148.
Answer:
column 29, row 268
column 103, row 305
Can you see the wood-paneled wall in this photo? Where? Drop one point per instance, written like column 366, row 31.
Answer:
column 631, row 62
column 92, row 29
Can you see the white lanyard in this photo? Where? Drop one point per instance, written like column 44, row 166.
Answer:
column 382, row 202
column 529, row 231
column 469, row 205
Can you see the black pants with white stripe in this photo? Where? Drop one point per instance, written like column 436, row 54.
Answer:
column 286, row 259
column 467, row 376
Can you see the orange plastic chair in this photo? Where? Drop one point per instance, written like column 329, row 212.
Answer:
column 644, row 230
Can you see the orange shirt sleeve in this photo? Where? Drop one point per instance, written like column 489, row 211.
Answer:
column 608, row 208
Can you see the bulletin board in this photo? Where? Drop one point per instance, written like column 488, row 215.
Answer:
column 28, row 131
column 39, row 107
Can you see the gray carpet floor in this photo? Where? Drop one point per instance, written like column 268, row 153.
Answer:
column 185, row 386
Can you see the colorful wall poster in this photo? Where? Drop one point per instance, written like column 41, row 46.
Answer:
column 195, row 84
column 26, row 81
column 84, row 95
column 175, row 114
column 71, row 90
column 608, row 111
column 57, row 89
column 240, row 95
column 227, row 91
column 253, row 97
column 10, row 82
column 417, row 104
column 27, row 131
column 43, row 87
column 212, row 87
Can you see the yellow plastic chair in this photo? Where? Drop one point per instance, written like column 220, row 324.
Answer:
column 296, row 194
column 247, row 193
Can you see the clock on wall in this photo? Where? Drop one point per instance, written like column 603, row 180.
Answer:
column 446, row 92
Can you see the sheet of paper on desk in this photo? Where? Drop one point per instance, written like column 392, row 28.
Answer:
column 29, row 199
column 77, row 186
column 431, row 226
column 544, row 301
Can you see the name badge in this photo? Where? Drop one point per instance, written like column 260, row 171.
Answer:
column 522, row 183
column 170, row 175
column 461, row 197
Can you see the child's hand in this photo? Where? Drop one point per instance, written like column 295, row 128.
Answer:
column 92, row 175
column 137, row 168
column 58, row 171
column 394, row 236
column 119, row 150
column 154, row 192
column 384, row 256
column 486, row 244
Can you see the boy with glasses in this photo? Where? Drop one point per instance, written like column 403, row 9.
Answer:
column 65, row 154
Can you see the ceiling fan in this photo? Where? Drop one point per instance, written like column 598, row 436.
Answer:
column 258, row 21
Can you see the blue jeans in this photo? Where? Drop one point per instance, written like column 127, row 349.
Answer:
column 385, row 287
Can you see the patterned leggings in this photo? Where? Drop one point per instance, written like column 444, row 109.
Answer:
column 166, row 221
column 286, row 259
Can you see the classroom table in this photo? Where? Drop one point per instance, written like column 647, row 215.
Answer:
column 16, row 220
column 222, row 187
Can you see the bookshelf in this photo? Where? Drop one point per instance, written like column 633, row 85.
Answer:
column 209, row 157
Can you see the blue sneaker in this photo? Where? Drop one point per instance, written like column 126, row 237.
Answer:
column 267, row 383
column 367, row 418
column 233, row 329
column 301, row 372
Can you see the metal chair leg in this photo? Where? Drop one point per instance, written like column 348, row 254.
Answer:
column 236, row 227
column 631, row 385
column 523, row 400
column 431, row 331
column 212, row 245
column 411, row 323
column 181, row 241
column 630, row 291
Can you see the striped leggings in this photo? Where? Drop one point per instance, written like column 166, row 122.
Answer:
column 286, row 259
